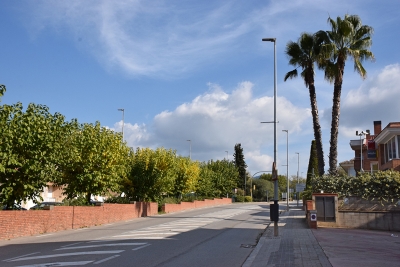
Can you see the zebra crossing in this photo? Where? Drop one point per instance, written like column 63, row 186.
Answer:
column 170, row 229
column 110, row 247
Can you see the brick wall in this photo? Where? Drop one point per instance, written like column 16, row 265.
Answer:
column 15, row 223
column 167, row 208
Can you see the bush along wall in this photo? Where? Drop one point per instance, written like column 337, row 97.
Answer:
column 382, row 185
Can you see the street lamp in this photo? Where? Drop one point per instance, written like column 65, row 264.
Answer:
column 287, row 167
column 361, row 145
column 190, row 148
column 276, row 205
column 298, row 165
column 123, row 113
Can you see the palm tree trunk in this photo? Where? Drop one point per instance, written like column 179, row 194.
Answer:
column 317, row 129
column 337, row 90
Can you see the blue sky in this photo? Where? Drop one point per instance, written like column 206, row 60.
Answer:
column 195, row 70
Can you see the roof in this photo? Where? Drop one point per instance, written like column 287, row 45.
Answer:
column 387, row 133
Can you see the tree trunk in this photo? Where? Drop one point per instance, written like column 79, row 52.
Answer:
column 337, row 90
column 88, row 196
column 317, row 129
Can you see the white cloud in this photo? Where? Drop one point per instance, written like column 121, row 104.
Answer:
column 376, row 99
column 168, row 38
column 135, row 135
column 215, row 121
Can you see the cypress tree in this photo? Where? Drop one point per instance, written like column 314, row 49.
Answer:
column 240, row 164
column 312, row 164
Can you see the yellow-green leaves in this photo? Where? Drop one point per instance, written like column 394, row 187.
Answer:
column 29, row 141
column 93, row 162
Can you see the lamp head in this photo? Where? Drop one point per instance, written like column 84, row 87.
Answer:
column 269, row 40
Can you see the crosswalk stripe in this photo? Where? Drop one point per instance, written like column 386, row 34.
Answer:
column 103, row 245
column 69, row 254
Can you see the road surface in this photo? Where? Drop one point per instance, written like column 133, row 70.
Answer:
column 218, row 236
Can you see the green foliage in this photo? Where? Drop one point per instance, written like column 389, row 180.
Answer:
column 312, row 164
column 347, row 38
column 239, row 198
column 28, row 151
column 382, row 185
column 92, row 162
column 117, row 199
column 266, row 177
column 261, row 188
column 218, row 178
column 187, row 176
column 153, row 174
column 2, row 90
column 78, row 201
column 248, row 199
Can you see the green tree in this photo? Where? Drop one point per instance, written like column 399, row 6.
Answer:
column 187, row 177
column 240, row 164
column 312, row 164
column 93, row 161
column 224, row 177
column 347, row 38
column 28, row 151
column 261, row 187
column 2, row 90
column 217, row 178
column 153, row 173
column 205, row 186
column 303, row 54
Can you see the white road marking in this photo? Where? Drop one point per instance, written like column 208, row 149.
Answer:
column 69, row 254
column 72, row 244
column 43, row 235
column 141, row 247
column 104, row 245
column 51, row 264
column 106, row 259
column 21, row 256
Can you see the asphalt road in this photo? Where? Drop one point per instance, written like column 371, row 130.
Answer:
column 218, row 236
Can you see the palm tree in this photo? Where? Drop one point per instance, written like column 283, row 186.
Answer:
column 303, row 54
column 347, row 38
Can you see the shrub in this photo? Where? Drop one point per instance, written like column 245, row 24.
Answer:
column 239, row 198
column 117, row 199
column 382, row 185
column 248, row 199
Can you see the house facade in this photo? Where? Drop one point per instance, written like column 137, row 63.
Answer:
column 378, row 151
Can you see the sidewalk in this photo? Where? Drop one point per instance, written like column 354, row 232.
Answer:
column 297, row 245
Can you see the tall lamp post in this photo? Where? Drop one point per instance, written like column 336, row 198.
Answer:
column 287, row 167
column 298, row 166
column 123, row 113
column 190, row 148
column 275, row 207
column 361, row 145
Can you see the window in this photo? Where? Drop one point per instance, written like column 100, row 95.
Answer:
column 392, row 148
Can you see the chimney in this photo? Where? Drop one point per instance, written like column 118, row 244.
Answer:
column 377, row 127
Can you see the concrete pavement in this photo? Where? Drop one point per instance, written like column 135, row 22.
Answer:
column 297, row 245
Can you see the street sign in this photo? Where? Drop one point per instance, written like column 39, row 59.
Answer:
column 300, row 187
column 313, row 217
